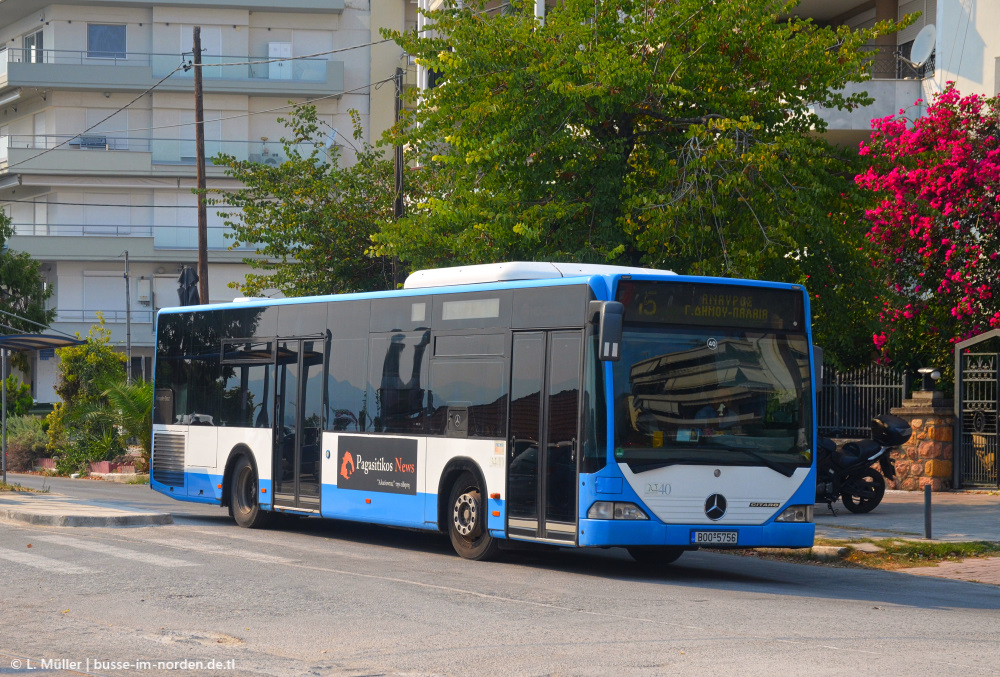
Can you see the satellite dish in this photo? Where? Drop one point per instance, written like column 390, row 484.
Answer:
column 923, row 46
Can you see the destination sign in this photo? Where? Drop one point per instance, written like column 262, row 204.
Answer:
column 713, row 305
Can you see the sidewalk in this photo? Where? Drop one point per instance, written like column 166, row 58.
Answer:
column 955, row 517
column 60, row 511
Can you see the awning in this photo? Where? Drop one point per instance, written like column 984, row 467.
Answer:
column 37, row 341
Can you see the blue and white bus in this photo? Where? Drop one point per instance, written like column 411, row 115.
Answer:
column 566, row 404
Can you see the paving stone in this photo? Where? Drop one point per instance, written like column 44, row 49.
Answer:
column 866, row 547
column 977, row 570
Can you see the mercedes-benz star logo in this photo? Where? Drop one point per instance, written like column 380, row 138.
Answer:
column 715, row 507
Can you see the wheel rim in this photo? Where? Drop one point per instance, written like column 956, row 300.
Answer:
column 864, row 489
column 246, row 490
column 465, row 515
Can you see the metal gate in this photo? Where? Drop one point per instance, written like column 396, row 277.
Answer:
column 849, row 400
column 977, row 383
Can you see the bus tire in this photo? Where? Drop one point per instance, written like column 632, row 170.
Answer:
column 467, row 520
column 244, row 506
column 655, row 556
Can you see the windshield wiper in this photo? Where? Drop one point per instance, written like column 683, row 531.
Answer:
column 784, row 469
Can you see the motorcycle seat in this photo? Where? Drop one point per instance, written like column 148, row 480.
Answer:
column 850, row 453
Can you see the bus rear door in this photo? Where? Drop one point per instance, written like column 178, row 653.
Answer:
column 298, row 397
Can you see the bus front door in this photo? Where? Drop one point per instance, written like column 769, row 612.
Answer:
column 544, row 424
column 298, row 397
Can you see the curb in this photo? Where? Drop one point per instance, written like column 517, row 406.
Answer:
column 147, row 519
column 830, row 552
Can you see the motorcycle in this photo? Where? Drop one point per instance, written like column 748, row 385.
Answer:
column 847, row 472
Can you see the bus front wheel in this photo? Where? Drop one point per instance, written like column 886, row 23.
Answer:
column 467, row 520
column 246, row 510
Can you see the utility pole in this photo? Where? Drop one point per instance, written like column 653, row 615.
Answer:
column 128, row 323
column 3, row 446
column 397, row 208
column 199, row 139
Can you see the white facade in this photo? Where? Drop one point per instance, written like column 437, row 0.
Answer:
column 966, row 52
column 83, row 183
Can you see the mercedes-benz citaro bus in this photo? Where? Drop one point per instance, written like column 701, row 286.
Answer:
column 566, row 404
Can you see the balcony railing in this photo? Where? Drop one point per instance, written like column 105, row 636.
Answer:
column 183, row 236
column 80, row 230
column 163, row 151
column 215, row 67
column 110, row 316
column 888, row 63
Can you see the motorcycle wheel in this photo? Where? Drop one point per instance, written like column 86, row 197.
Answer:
column 863, row 491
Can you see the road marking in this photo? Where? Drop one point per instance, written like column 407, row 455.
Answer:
column 114, row 551
column 221, row 550
column 41, row 562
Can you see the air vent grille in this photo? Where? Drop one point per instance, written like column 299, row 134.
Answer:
column 168, row 459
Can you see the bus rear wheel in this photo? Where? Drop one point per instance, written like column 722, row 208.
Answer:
column 467, row 520
column 243, row 497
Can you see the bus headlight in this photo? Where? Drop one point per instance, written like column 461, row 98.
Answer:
column 796, row 513
column 615, row 510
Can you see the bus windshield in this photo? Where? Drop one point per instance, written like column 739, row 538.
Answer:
column 721, row 396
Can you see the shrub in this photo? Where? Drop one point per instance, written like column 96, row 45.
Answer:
column 96, row 445
column 26, row 441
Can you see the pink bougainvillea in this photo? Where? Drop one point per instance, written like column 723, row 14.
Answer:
column 935, row 224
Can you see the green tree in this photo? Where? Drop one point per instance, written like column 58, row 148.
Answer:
column 677, row 134
column 19, row 398
column 81, row 372
column 310, row 217
column 22, row 292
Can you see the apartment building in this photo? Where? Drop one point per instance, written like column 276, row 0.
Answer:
column 90, row 170
column 966, row 51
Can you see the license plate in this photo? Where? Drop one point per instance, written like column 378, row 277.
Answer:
column 715, row 537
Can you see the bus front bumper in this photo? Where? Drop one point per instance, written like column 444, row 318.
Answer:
column 648, row 532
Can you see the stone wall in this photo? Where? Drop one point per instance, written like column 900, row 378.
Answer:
column 927, row 457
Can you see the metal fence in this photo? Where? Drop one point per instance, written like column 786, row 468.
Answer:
column 849, row 400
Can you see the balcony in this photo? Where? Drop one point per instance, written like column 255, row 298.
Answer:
column 891, row 63
column 82, row 70
column 895, row 85
column 121, row 153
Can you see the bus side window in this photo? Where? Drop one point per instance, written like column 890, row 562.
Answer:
column 245, row 396
column 473, row 389
column 347, row 402
column 396, row 393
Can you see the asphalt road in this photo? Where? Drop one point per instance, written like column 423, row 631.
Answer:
column 323, row 597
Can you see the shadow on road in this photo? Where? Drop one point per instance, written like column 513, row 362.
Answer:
column 709, row 570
